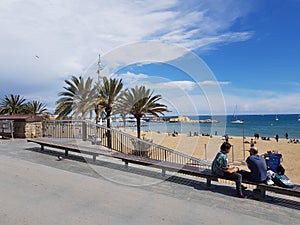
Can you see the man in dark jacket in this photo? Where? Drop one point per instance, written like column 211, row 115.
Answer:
column 257, row 166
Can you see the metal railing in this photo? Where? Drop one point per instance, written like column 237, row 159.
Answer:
column 117, row 141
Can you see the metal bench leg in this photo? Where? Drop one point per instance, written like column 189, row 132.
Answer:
column 259, row 193
column 126, row 165
column 208, row 182
column 94, row 158
column 66, row 152
column 42, row 147
column 163, row 171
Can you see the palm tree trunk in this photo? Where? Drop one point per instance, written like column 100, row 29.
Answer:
column 108, row 131
column 138, row 127
column 97, row 116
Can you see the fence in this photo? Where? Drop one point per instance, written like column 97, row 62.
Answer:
column 117, row 141
column 7, row 128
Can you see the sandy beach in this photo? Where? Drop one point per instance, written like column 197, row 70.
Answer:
column 205, row 147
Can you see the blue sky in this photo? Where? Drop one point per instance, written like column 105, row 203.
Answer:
column 251, row 48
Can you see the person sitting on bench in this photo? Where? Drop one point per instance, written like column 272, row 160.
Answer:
column 257, row 166
column 220, row 168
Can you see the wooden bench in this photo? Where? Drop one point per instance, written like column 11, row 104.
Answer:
column 69, row 147
column 259, row 191
column 205, row 173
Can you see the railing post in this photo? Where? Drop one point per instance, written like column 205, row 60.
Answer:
column 205, row 151
column 121, row 144
column 84, row 131
column 109, row 139
column 44, row 129
column 232, row 152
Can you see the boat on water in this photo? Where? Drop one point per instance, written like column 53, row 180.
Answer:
column 276, row 117
column 236, row 121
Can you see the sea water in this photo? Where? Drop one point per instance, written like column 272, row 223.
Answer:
column 264, row 125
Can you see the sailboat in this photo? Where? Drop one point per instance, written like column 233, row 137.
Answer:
column 276, row 117
column 235, row 116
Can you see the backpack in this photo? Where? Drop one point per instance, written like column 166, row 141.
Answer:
column 273, row 161
column 282, row 181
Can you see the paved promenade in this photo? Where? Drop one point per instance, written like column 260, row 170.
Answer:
column 38, row 189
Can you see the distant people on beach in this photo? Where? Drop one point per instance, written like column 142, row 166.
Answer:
column 251, row 142
column 295, row 141
column 277, row 137
column 226, row 137
column 221, row 168
column 256, row 136
column 286, row 136
column 257, row 166
column 175, row 133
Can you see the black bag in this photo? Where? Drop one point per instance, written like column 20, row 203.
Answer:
column 282, row 181
column 280, row 170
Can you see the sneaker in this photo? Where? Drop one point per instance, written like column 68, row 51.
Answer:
column 241, row 195
column 270, row 182
column 244, row 187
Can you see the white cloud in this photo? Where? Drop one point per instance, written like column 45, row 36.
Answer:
column 129, row 77
column 74, row 32
column 184, row 85
column 182, row 97
column 160, row 84
column 212, row 82
column 68, row 35
column 268, row 102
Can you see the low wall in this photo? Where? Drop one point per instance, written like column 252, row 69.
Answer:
column 27, row 129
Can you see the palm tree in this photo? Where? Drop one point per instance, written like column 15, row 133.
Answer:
column 78, row 99
column 139, row 102
column 12, row 104
column 120, row 109
column 108, row 94
column 35, row 107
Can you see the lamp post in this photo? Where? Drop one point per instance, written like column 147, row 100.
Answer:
column 243, row 138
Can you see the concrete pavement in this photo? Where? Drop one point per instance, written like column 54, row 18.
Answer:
column 36, row 188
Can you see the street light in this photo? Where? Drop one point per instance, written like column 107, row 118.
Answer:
column 243, row 139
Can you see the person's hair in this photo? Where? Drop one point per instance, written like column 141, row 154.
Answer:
column 225, row 146
column 254, row 150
